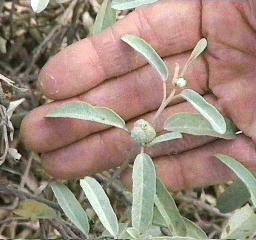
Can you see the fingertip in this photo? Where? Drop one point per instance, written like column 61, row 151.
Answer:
column 72, row 71
column 48, row 80
column 25, row 133
column 33, row 131
column 44, row 83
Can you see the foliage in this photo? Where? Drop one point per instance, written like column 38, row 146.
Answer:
column 150, row 196
column 146, row 190
column 241, row 225
column 71, row 207
column 149, row 54
column 129, row 4
column 195, row 124
column 34, row 210
column 105, row 17
column 238, row 191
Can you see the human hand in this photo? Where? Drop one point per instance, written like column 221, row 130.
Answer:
column 104, row 71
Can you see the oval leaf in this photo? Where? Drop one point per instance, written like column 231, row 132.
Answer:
column 133, row 232
column 71, row 207
column 148, row 53
column 241, row 225
column 144, row 189
column 39, row 5
column 85, row 111
column 106, row 17
column 199, row 48
column 172, row 238
column 164, row 138
column 234, row 197
column 129, row 4
column 194, row 231
column 214, row 117
column 169, row 211
column 33, row 210
column 101, row 204
column 195, row 124
column 242, row 172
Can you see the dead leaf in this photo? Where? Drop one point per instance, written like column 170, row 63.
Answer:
column 31, row 209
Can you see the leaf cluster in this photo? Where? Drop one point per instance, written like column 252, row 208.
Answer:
column 152, row 203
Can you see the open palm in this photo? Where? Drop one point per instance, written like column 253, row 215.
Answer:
column 104, row 71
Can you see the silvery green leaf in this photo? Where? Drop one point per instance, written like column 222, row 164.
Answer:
column 241, row 225
column 154, row 231
column 164, row 138
column 242, row 172
column 172, row 238
column 85, row 111
column 148, row 53
column 234, row 197
column 129, row 4
column 122, row 232
column 194, row 231
column 133, row 232
column 106, row 17
column 144, row 189
column 39, row 5
column 71, row 207
column 158, row 219
column 100, row 204
column 199, row 48
column 169, row 211
column 214, row 117
column 196, row 124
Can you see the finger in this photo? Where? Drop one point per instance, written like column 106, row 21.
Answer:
column 104, row 151
column 237, row 100
column 199, row 167
column 89, row 62
column 131, row 95
column 108, row 149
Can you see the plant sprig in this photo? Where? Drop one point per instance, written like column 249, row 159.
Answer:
column 148, row 191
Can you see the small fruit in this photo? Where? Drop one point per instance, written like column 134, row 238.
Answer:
column 143, row 132
column 181, row 82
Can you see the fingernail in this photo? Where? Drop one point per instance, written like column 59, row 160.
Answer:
column 48, row 82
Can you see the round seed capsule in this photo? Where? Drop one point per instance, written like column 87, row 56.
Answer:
column 143, row 132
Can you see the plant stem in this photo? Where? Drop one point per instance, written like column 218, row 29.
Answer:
column 160, row 109
column 166, row 100
column 176, row 74
column 142, row 149
column 185, row 67
column 165, row 103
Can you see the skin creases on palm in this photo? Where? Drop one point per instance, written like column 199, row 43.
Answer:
column 103, row 71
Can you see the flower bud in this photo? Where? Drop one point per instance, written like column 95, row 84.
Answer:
column 143, row 132
column 181, row 82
